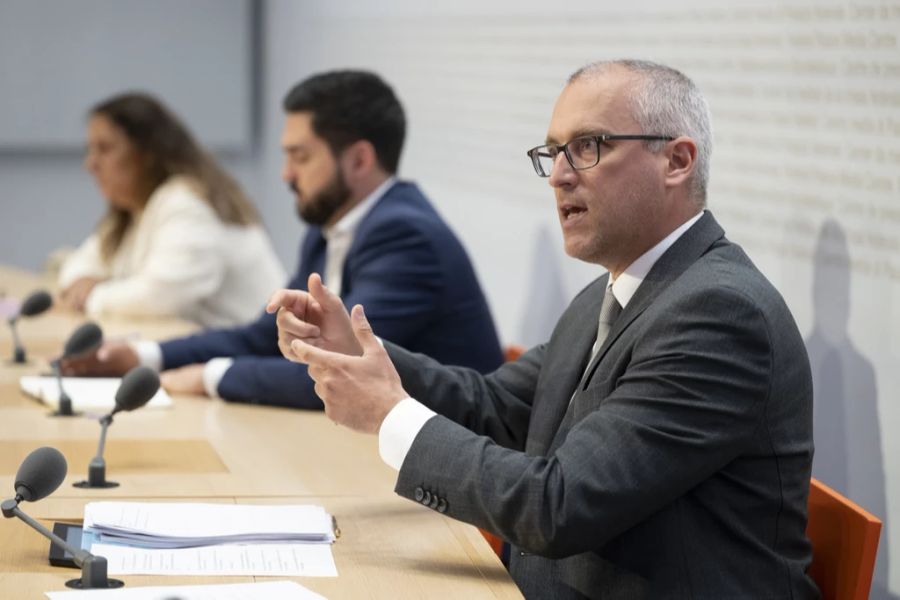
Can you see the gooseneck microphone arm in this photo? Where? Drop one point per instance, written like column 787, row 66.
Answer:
column 11, row 509
column 36, row 303
column 39, row 475
column 97, row 466
column 18, row 349
column 64, row 408
column 137, row 387
column 93, row 568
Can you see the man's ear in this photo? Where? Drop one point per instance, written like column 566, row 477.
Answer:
column 359, row 159
column 682, row 160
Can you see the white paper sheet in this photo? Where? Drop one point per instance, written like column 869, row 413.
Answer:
column 270, row 590
column 205, row 523
column 87, row 393
column 293, row 560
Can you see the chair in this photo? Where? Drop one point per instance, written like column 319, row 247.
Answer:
column 844, row 540
column 511, row 353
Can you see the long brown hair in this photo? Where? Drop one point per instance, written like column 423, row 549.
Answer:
column 170, row 150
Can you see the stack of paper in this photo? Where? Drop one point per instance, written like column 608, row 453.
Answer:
column 87, row 393
column 146, row 538
column 186, row 525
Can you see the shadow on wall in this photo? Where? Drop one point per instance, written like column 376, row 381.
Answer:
column 846, row 425
column 547, row 297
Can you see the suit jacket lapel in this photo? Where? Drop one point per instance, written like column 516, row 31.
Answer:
column 564, row 365
column 682, row 254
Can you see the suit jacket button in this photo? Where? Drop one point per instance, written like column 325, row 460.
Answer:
column 426, row 499
column 442, row 506
column 434, row 501
column 419, row 494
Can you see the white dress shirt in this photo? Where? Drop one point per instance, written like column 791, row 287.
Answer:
column 401, row 426
column 339, row 238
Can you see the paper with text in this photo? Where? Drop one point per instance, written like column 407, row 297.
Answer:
column 288, row 560
column 87, row 393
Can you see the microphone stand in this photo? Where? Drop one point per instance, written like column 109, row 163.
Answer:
column 93, row 568
column 97, row 466
column 18, row 349
column 65, row 403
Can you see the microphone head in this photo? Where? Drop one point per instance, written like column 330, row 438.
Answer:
column 86, row 338
column 40, row 473
column 137, row 387
column 36, row 303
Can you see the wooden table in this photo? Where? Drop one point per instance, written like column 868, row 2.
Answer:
column 210, row 450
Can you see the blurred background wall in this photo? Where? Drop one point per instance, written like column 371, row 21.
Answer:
column 805, row 98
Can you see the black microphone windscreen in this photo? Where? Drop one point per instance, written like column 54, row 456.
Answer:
column 36, row 303
column 40, row 473
column 136, row 389
column 86, row 338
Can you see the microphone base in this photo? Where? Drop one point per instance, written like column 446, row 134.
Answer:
column 59, row 413
column 103, row 484
column 110, row 584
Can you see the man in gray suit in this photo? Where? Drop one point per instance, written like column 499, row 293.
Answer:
column 660, row 444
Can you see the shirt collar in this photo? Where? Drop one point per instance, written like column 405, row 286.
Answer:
column 627, row 283
column 347, row 224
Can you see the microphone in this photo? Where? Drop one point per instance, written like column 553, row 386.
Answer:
column 137, row 387
column 36, row 303
column 87, row 338
column 39, row 475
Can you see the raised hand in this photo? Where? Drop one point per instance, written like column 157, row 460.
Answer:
column 317, row 317
column 358, row 391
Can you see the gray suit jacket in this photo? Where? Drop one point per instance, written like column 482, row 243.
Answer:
column 679, row 470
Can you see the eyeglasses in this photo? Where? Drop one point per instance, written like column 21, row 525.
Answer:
column 582, row 152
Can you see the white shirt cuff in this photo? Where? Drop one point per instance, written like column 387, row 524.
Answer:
column 213, row 372
column 399, row 430
column 149, row 354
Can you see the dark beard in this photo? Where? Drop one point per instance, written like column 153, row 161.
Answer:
column 323, row 205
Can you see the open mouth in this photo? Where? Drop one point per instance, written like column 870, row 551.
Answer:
column 569, row 211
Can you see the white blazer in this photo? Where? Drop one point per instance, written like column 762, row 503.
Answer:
column 179, row 259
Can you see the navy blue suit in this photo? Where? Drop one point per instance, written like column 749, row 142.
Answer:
column 413, row 277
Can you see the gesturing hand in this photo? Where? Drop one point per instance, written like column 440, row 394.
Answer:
column 184, row 380
column 358, row 391
column 318, row 318
column 113, row 358
column 76, row 294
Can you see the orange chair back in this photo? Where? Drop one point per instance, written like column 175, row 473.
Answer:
column 513, row 352
column 844, row 539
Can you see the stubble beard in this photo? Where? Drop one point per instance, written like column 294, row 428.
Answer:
column 322, row 206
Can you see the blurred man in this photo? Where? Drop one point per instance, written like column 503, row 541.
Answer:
column 659, row 445
column 376, row 239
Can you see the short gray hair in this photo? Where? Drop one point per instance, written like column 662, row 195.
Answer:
column 666, row 102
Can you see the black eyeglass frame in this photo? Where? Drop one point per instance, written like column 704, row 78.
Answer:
column 535, row 155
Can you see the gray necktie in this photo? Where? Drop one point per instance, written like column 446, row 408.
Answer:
column 609, row 310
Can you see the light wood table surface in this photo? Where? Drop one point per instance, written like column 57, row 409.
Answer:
column 389, row 548
column 209, row 450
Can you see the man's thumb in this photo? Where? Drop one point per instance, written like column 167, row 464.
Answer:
column 362, row 330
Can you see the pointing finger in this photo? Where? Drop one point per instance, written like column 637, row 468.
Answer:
column 325, row 297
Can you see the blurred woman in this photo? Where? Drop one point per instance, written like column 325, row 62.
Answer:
column 179, row 239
